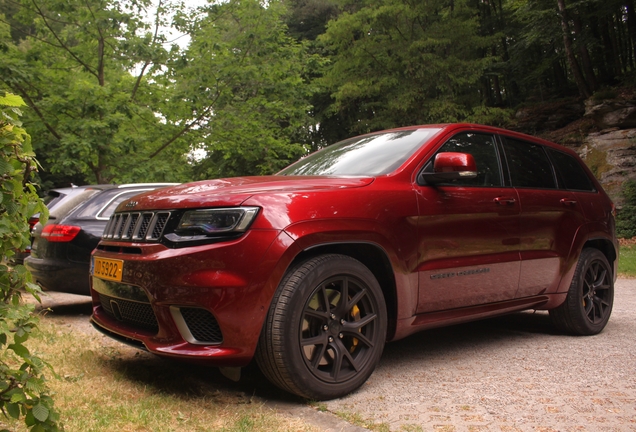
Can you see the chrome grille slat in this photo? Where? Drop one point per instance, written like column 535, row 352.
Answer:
column 146, row 218
column 131, row 226
column 136, row 226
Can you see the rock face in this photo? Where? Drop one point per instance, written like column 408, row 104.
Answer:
column 612, row 113
column 611, row 155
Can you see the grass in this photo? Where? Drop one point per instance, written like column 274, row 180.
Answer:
column 627, row 261
column 105, row 386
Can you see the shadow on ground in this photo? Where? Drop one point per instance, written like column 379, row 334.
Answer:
column 197, row 381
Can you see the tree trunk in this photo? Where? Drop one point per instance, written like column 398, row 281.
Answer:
column 584, row 90
column 584, row 54
column 631, row 23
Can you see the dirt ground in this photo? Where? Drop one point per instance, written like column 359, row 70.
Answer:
column 513, row 373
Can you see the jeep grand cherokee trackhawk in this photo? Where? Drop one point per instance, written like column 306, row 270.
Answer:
column 369, row 240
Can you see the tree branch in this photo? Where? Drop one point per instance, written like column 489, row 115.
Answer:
column 185, row 129
column 62, row 44
column 32, row 104
column 143, row 69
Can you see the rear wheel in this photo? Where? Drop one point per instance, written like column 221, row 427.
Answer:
column 588, row 305
column 325, row 330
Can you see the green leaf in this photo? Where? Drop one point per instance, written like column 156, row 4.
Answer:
column 18, row 397
column 40, row 412
column 11, row 100
column 13, row 410
column 19, row 349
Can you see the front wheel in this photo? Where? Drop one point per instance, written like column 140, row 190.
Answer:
column 589, row 302
column 325, row 329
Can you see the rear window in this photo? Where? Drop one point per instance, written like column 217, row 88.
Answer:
column 571, row 173
column 103, row 206
column 69, row 202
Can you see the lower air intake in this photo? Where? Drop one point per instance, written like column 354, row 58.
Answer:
column 202, row 325
column 134, row 313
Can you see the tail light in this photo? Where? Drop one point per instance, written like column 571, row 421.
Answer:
column 33, row 220
column 60, row 233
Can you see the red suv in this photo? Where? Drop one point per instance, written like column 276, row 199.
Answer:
column 369, row 240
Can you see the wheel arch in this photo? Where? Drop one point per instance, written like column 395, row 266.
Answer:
column 605, row 246
column 374, row 258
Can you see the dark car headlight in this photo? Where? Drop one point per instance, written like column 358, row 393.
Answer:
column 216, row 221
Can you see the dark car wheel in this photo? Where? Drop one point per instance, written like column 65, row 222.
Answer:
column 588, row 305
column 325, row 329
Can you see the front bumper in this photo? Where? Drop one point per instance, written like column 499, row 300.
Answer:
column 204, row 303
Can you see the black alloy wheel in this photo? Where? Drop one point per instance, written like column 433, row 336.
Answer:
column 590, row 298
column 338, row 329
column 325, row 330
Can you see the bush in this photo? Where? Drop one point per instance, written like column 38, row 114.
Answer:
column 626, row 218
column 23, row 389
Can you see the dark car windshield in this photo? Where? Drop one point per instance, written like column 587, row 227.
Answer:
column 374, row 154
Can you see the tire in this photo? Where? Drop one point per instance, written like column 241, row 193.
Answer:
column 588, row 305
column 314, row 343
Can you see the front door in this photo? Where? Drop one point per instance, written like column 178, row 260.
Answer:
column 468, row 233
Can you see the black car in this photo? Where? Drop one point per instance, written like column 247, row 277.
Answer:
column 52, row 198
column 61, row 249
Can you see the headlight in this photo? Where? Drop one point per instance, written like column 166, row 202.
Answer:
column 216, row 221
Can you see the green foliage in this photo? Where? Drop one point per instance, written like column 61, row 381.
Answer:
column 243, row 80
column 397, row 62
column 23, row 390
column 626, row 218
column 491, row 116
column 90, row 71
column 627, row 261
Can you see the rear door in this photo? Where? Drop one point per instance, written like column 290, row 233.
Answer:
column 468, row 232
column 550, row 217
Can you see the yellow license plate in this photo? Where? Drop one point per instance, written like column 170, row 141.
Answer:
column 110, row 269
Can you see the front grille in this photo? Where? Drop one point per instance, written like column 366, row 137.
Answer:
column 130, row 312
column 202, row 325
column 136, row 226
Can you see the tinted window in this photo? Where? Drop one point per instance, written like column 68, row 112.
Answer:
column 529, row 165
column 571, row 173
column 482, row 148
column 368, row 155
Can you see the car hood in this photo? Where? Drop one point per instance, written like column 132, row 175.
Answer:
column 234, row 191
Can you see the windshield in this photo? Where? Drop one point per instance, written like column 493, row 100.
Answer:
column 369, row 155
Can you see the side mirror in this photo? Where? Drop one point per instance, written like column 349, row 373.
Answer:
column 451, row 166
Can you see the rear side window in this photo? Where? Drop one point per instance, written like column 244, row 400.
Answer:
column 571, row 173
column 529, row 165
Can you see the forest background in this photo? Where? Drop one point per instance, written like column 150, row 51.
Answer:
column 261, row 83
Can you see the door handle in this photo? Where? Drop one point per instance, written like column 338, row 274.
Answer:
column 568, row 202
column 505, row 200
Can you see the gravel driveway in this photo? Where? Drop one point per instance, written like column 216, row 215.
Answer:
column 513, row 373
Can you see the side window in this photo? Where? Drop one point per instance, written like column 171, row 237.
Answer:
column 571, row 173
column 483, row 149
column 529, row 165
